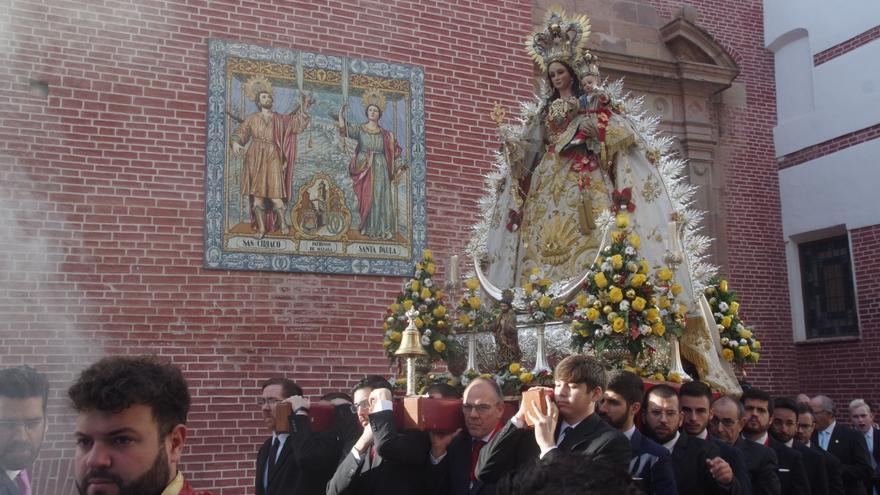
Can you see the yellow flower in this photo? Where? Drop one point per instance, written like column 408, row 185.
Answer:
column 439, row 346
column 754, row 357
column 544, row 282
column 723, row 286
column 635, row 241
column 414, row 285
column 514, row 368
column 558, row 311
column 676, row 289
column 658, row 376
column 607, row 309
column 528, row 288
column 631, row 294
column 438, row 295
column 431, row 268
column 745, row 333
column 653, row 315
column 615, row 294
column 673, row 377
column 757, row 345
column 426, row 293
column 441, row 324
column 592, row 314
column 474, row 302
column 665, row 303
column 744, row 350
column 472, row 284
column 664, row 274
column 385, row 326
column 645, row 267
column 407, row 304
column 617, row 261
column 619, row 325
column 395, row 336
column 638, row 304
column 581, row 300
column 386, row 343
column 658, row 328
column 439, row 311
column 464, row 319
column 638, row 280
column 544, row 302
column 584, row 332
column 734, row 308
column 622, row 220
column 486, row 375
column 394, row 308
column 727, row 354
column 426, row 255
column 526, row 378
column 726, row 321
column 601, row 281
column 535, row 271
column 418, row 321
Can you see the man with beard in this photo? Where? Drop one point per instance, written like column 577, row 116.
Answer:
column 759, row 413
column 784, row 428
column 454, row 455
column 805, row 427
column 23, row 396
column 696, row 401
column 651, row 464
column 569, row 423
column 130, row 428
column 267, row 172
column 726, row 425
column 697, row 464
column 844, row 443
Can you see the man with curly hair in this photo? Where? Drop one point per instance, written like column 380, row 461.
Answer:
column 131, row 427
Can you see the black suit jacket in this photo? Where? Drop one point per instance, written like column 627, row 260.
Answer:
column 792, row 473
column 514, row 448
column 875, row 479
column 736, row 459
column 451, row 476
column 763, row 465
column 851, row 450
column 816, row 467
column 652, row 464
column 692, row 476
column 305, row 462
column 7, row 486
column 399, row 465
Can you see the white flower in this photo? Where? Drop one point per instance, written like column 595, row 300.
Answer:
column 591, row 299
column 538, row 316
column 718, row 316
column 606, row 328
column 418, row 274
column 723, row 307
column 606, row 266
column 390, row 319
column 724, row 341
column 624, row 305
column 743, row 342
column 534, row 278
column 664, row 312
column 713, row 301
column 644, row 329
column 429, row 300
column 472, row 315
column 611, row 316
column 720, row 328
column 428, row 283
column 428, row 332
column 426, row 340
column 580, row 313
column 740, row 327
column 401, row 317
column 630, row 250
column 607, row 250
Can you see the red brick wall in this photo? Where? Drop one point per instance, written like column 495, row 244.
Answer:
column 102, row 190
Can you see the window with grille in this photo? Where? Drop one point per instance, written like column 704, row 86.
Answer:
column 829, row 297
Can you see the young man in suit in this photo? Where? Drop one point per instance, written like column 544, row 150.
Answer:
column 23, row 396
column 759, row 414
column 130, row 427
column 696, row 411
column 570, row 424
column 697, row 463
column 728, row 418
column 805, row 427
column 844, row 443
column 784, row 429
column 454, row 455
column 863, row 420
column 381, row 460
column 296, row 461
column 651, row 464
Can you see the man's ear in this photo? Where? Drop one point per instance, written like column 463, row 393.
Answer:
column 635, row 407
column 174, row 443
column 596, row 394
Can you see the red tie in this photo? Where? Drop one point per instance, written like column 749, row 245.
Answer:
column 475, row 455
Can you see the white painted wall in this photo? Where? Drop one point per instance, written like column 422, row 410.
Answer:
column 816, row 104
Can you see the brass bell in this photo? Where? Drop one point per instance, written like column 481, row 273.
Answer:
column 410, row 342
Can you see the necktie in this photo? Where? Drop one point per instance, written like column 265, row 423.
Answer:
column 475, row 455
column 24, row 482
column 562, row 435
column 273, row 456
column 823, row 439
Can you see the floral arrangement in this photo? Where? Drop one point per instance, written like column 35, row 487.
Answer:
column 738, row 342
column 425, row 381
column 420, row 293
column 618, row 309
column 512, row 379
column 539, row 300
column 472, row 316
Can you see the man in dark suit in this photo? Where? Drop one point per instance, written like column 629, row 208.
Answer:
column 758, row 415
column 651, row 464
column 784, row 429
column 454, row 455
column 728, row 418
column 23, row 398
column 863, row 421
column 381, row 460
column 696, row 463
column 805, row 427
column 844, row 443
column 569, row 424
column 296, row 461
column 696, row 401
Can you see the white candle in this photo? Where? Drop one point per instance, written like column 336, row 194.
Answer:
column 453, row 269
column 674, row 245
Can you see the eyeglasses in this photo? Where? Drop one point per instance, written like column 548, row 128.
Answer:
column 8, row 426
column 726, row 422
column 364, row 404
column 272, row 402
column 480, row 408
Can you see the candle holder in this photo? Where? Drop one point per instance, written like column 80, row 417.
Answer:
column 541, row 363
